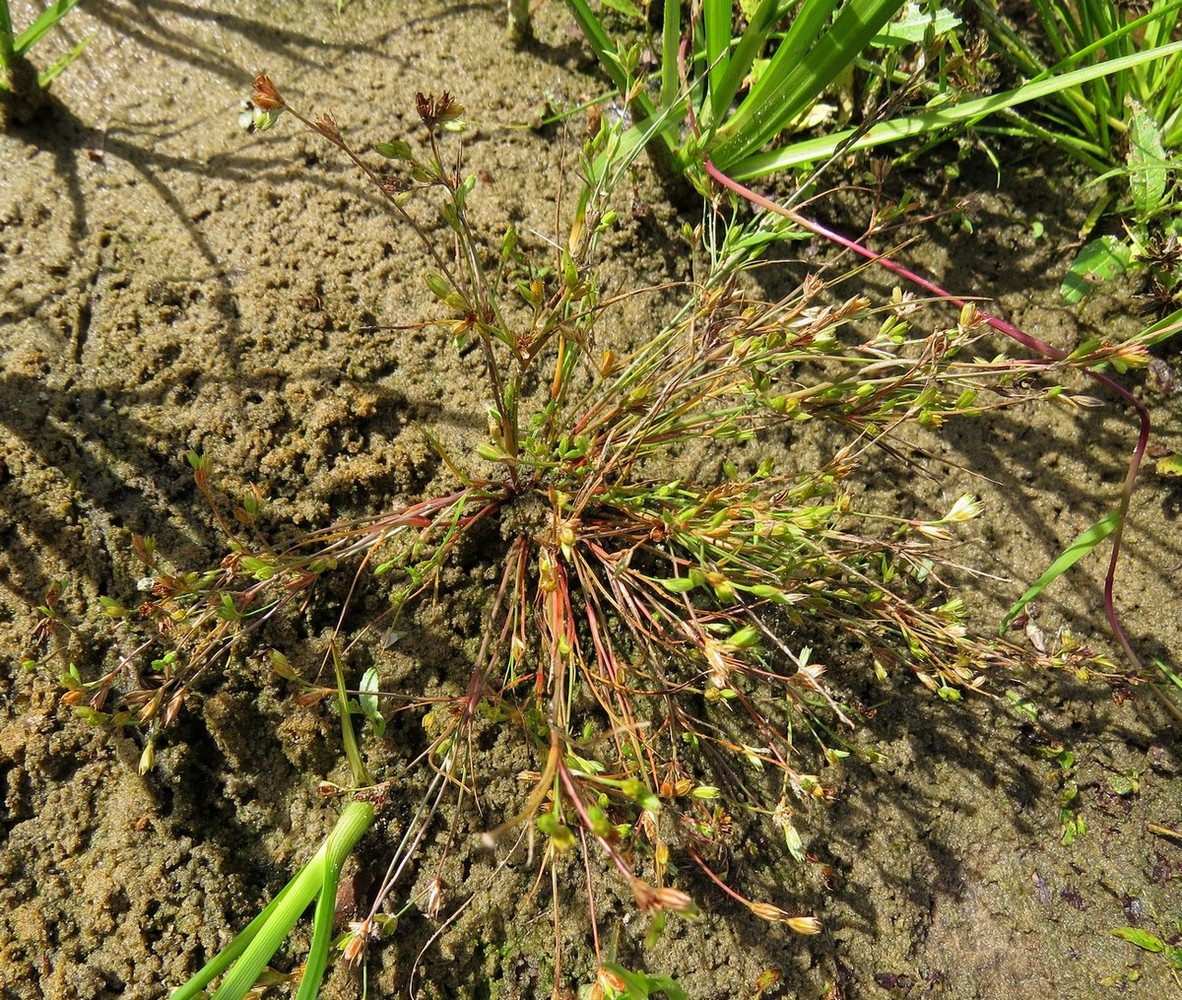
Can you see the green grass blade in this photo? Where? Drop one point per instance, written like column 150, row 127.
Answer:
column 1115, row 40
column 47, row 75
column 717, row 16
column 355, row 820
column 270, row 933
column 1172, row 677
column 1173, row 705
column 317, row 960
column 670, row 47
column 260, row 939
column 814, row 150
column 751, row 44
column 605, row 51
column 226, row 957
column 1082, row 545
column 791, row 55
column 6, row 50
column 600, row 42
column 361, row 776
column 302, row 887
column 806, row 62
column 1163, row 329
column 49, row 17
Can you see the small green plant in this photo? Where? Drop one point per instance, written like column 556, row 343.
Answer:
column 1090, row 119
column 613, row 982
column 1153, row 227
column 1124, row 126
column 1170, row 948
column 1063, row 776
column 20, row 84
column 244, row 959
column 652, row 625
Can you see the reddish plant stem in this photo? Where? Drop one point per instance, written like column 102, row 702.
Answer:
column 715, row 879
column 1040, row 347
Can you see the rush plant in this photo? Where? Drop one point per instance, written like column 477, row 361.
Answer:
column 663, row 603
column 1090, row 120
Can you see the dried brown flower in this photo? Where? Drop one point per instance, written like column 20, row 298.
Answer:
column 438, row 111
column 264, row 96
column 653, row 899
column 802, row 925
column 328, row 128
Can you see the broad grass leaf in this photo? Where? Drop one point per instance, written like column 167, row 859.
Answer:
column 1147, row 164
column 913, row 23
column 1100, row 260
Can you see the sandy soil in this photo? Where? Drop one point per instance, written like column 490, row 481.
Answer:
column 169, row 283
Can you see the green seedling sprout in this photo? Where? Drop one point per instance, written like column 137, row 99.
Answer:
column 614, row 982
column 1152, row 944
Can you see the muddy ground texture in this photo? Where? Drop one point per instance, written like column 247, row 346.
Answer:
column 168, row 282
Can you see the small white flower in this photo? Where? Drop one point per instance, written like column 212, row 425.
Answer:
column 965, row 509
column 256, row 119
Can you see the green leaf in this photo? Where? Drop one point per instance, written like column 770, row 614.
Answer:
column 1079, row 548
column 1142, row 939
column 399, row 149
column 640, row 987
column 1147, row 164
column 810, row 57
column 228, row 611
column 55, row 69
column 367, row 698
column 32, row 34
column 1100, row 260
column 625, row 7
column 794, row 843
column 912, row 24
column 638, row 793
column 1122, row 784
column 850, row 140
column 1169, row 465
column 1174, row 678
column 252, row 949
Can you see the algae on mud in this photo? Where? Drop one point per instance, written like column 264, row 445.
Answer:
column 152, row 304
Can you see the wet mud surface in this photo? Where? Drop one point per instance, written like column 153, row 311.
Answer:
column 169, row 283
